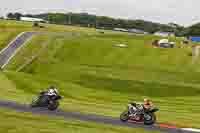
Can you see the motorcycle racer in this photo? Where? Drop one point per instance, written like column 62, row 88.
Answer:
column 48, row 98
column 140, row 112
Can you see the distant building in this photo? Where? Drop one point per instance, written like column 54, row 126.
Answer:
column 30, row 19
column 120, row 29
column 137, row 31
column 194, row 39
column 164, row 34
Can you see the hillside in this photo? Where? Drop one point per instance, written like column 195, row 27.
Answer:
column 21, row 87
column 96, row 77
column 9, row 29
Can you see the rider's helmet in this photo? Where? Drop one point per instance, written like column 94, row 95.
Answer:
column 147, row 101
column 53, row 90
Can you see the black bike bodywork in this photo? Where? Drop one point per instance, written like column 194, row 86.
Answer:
column 51, row 102
column 137, row 113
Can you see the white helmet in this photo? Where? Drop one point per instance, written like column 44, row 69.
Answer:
column 55, row 90
column 51, row 92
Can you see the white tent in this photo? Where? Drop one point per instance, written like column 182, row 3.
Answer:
column 32, row 19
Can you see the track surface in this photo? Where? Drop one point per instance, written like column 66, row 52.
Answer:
column 7, row 53
column 83, row 117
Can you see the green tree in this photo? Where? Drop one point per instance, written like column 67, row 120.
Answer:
column 10, row 16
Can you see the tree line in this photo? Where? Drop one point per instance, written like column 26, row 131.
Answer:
column 89, row 20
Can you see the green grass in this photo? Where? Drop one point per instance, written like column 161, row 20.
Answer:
column 28, row 26
column 20, row 92
column 15, row 122
column 6, row 37
column 179, row 110
column 9, row 29
column 97, row 78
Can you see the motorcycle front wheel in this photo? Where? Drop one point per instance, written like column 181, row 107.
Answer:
column 53, row 105
column 149, row 119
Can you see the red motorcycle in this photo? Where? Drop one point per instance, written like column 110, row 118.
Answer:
column 137, row 113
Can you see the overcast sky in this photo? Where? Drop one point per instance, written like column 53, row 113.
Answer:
column 183, row 12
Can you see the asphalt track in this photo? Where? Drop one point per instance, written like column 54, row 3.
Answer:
column 84, row 117
column 7, row 53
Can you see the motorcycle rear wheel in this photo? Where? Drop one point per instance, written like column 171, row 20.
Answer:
column 34, row 102
column 124, row 116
